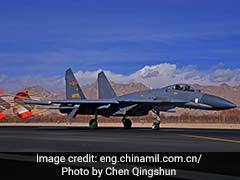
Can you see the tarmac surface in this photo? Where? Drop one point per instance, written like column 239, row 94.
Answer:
column 106, row 139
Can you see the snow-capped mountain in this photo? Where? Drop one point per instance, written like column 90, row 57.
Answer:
column 155, row 71
column 154, row 76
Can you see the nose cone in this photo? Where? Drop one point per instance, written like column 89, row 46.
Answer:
column 217, row 103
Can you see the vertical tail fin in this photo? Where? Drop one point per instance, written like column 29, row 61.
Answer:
column 73, row 90
column 105, row 90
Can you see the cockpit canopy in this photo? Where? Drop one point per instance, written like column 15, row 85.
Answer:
column 181, row 87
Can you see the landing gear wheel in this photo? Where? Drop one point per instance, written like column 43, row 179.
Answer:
column 155, row 125
column 127, row 123
column 93, row 124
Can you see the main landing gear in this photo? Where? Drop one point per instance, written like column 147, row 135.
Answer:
column 93, row 124
column 156, row 123
column 127, row 123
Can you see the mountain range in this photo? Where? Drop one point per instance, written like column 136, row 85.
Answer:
column 154, row 76
column 231, row 93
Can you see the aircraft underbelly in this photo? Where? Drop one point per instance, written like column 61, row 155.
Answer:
column 138, row 110
column 104, row 110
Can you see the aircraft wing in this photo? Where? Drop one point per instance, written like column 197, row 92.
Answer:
column 102, row 101
column 152, row 102
column 99, row 104
column 142, row 107
column 75, row 102
column 126, row 106
column 162, row 105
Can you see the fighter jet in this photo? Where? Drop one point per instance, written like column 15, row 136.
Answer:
column 133, row 104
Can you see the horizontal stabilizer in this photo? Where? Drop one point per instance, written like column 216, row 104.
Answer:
column 38, row 102
column 73, row 101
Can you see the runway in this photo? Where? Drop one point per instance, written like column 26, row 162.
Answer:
column 105, row 139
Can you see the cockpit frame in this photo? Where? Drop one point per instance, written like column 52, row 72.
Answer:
column 181, row 87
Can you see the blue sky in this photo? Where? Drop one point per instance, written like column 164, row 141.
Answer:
column 46, row 37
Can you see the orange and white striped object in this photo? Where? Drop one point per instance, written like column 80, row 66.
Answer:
column 23, row 113
column 2, row 116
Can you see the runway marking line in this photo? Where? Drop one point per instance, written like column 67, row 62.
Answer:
column 211, row 138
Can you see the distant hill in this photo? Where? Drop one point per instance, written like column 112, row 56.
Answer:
column 39, row 91
column 231, row 93
column 90, row 90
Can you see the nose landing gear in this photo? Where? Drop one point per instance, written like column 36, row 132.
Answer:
column 156, row 123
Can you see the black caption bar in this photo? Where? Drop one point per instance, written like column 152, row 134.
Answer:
column 127, row 165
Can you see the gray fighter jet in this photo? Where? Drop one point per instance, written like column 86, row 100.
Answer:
column 134, row 104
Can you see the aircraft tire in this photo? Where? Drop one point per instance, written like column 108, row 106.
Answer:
column 155, row 126
column 127, row 123
column 93, row 124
